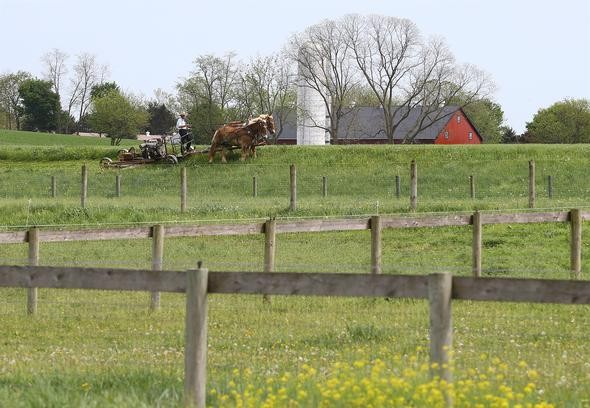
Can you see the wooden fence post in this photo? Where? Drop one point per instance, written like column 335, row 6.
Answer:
column 118, row 185
column 413, row 186
column 550, row 186
column 532, row 177
column 157, row 260
column 53, row 187
column 269, row 249
column 472, row 186
column 183, row 189
column 441, row 328
column 476, row 244
column 398, row 187
column 84, row 187
column 33, row 238
column 254, row 187
column 324, row 186
column 576, row 243
column 195, row 350
column 293, row 174
column 375, row 244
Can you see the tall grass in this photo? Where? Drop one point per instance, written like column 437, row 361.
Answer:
column 93, row 348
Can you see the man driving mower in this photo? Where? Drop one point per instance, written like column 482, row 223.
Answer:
column 186, row 137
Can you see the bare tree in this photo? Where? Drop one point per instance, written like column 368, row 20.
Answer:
column 268, row 87
column 213, row 79
column 407, row 73
column 55, row 70
column 87, row 73
column 325, row 63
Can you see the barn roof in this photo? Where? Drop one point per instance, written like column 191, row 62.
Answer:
column 367, row 123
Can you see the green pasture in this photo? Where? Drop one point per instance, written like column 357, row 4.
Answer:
column 105, row 349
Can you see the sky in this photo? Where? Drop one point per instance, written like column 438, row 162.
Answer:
column 536, row 51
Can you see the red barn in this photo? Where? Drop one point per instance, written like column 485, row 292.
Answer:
column 365, row 125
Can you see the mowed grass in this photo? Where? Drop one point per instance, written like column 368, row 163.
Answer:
column 94, row 348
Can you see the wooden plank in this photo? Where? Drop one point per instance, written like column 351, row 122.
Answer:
column 413, row 186
column 92, row 278
column 351, row 224
column 157, row 261
column 476, row 245
column 195, row 355
column 430, row 221
column 524, row 218
column 95, row 234
column 376, row 250
column 319, row 284
column 183, row 189
column 33, row 238
column 522, row 290
column 293, row 187
column 575, row 243
column 222, row 229
column 441, row 326
column 16, row 237
column 311, row 284
column 532, row 184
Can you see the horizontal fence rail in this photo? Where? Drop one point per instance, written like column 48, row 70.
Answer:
column 439, row 289
column 322, row 225
column 270, row 228
column 303, row 284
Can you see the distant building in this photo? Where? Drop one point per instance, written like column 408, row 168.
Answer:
column 365, row 125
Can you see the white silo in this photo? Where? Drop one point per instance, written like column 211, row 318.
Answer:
column 311, row 112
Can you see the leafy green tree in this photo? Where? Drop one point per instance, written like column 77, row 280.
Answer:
column 161, row 120
column 10, row 100
column 205, row 119
column 509, row 135
column 567, row 121
column 117, row 116
column 102, row 89
column 41, row 105
column 487, row 117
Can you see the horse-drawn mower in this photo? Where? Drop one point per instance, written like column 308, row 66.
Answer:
column 162, row 150
column 172, row 149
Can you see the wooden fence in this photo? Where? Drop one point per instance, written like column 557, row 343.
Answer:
column 439, row 289
column 270, row 228
column 413, row 178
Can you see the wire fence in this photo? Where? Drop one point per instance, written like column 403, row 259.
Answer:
column 499, row 181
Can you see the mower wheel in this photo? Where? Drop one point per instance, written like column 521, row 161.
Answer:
column 106, row 162
column 171, row 159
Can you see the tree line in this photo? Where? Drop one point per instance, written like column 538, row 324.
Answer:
column 378, row 61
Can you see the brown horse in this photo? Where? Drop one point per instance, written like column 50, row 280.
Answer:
column 246, row 136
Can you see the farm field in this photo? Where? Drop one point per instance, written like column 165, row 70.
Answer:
column 94, row 348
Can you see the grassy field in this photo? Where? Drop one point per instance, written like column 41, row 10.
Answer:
column 93, row 348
